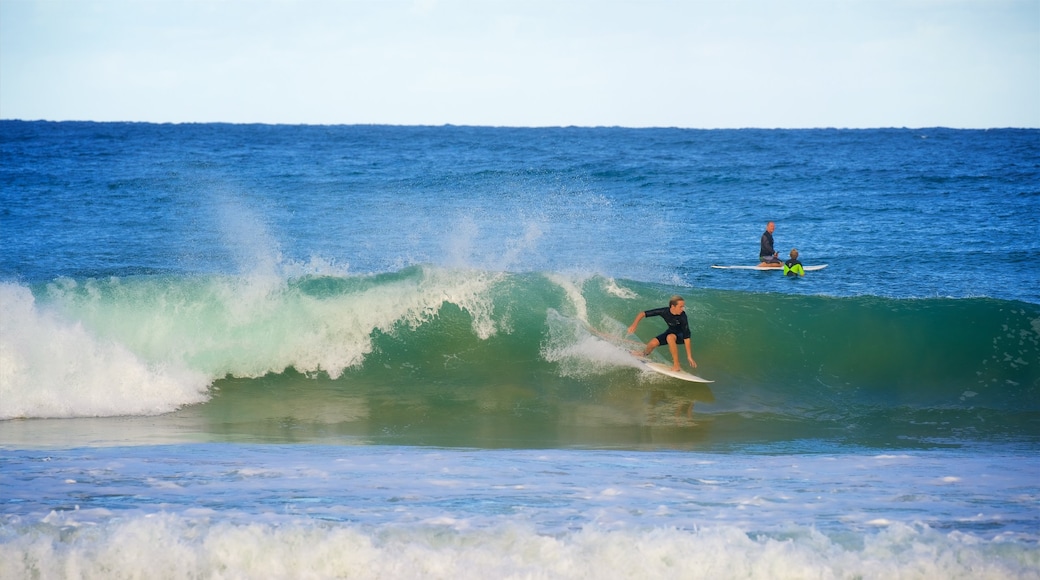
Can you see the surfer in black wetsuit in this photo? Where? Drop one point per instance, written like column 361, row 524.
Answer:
column 766, row 253
column 678, row 329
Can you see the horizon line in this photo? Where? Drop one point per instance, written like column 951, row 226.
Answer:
column 479, row 126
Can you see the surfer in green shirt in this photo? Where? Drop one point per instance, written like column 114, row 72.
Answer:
column 678, row 329
column 792, row 267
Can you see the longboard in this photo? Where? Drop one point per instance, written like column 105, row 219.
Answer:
column 667, row 370
column 764, row 268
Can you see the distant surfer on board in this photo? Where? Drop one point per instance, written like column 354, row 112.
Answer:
column 792, row 267
column 678, row 329
column 770, row 258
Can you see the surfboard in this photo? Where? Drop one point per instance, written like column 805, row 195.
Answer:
column 765, row 268
column 667, row 370
column 654, row 366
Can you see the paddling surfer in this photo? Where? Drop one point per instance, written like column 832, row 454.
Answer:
column 770, row 258
column 678, row 329
column 793, row 267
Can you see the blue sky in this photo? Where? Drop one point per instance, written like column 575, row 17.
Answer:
column 637, row 63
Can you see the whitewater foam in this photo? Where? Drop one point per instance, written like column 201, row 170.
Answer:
column 178, row 546
column 52, row 367
column 154, row 344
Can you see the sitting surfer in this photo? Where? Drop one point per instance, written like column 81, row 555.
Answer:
column 792, row 267
column 769, row 257
column 678, row 329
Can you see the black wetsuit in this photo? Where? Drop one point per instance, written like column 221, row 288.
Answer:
column 766, row 252
column 678, row 324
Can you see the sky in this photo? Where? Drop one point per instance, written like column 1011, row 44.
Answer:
column 633, row 63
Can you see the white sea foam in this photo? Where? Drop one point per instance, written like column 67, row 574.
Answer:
column 178, row 546
column 612, row 288
column 52, row 367
column 308, row 511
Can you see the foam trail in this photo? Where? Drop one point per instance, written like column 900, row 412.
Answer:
column 579, row 353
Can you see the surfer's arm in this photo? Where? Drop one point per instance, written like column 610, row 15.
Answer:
column 689, row 352
column 640, row 316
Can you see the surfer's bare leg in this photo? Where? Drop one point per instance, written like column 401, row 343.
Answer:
column 650, row 346
column 673, row 347
column 770, row 262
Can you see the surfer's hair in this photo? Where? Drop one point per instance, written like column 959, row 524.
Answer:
column 675, row 300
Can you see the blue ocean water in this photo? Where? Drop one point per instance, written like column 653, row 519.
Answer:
column 371, row 351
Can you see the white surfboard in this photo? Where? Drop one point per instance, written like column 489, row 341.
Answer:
column 667, row 370
column 765, row 268
column 654, row 366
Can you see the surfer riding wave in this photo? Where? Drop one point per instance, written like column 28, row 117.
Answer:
column 678, row 329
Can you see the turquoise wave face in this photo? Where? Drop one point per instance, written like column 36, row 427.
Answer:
column 472, row 357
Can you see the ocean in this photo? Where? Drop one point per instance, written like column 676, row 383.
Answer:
column 256, row 351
